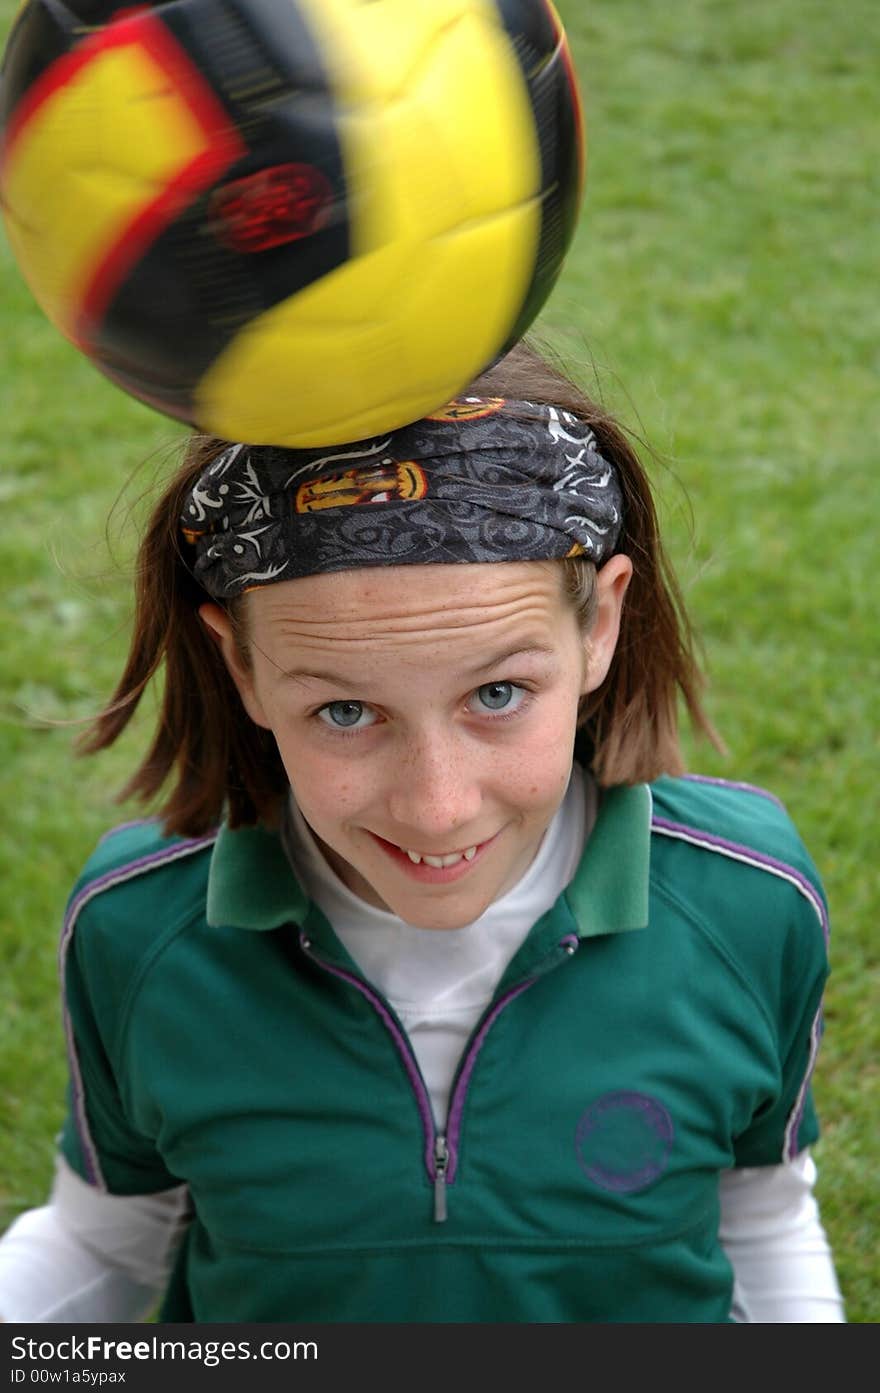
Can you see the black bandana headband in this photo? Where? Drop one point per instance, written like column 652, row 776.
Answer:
column 484, row 479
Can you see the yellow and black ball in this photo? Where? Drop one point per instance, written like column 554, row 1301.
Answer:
column 290, row 221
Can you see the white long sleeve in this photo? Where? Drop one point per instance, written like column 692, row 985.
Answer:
column 89, row 1256
column 773, row 1236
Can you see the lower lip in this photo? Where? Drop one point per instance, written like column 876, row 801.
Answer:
column 431, row 875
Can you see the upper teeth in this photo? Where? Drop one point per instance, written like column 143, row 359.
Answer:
column 416, row 857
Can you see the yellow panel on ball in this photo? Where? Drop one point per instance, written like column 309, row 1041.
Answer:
column 351, row 30
column 75, row 221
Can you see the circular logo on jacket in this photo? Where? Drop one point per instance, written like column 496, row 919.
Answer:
column 623, row 1141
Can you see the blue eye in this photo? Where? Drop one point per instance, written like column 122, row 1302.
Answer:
column 346, row 715
column 499, row 696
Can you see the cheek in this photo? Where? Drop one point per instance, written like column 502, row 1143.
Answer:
column 537, row 774
column 328, row 788
column 543, row 783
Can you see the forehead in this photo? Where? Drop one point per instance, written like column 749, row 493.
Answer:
column 376, row 605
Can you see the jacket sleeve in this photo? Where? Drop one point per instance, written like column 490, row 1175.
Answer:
column 99, row 1141
column 794, row 976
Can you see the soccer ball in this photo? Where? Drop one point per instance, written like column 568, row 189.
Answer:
column 290, row 222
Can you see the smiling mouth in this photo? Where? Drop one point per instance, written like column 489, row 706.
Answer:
column 430, row 864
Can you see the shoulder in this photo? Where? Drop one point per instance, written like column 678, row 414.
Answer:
column 136, row 862
column 731, row 858
column 729, row 824
column 136, row 885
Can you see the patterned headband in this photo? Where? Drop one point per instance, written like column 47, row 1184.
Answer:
column 483, row 479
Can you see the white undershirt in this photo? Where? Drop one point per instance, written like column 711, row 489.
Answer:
column 88, row 1256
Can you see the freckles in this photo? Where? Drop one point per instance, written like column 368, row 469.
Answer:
column 338, row 797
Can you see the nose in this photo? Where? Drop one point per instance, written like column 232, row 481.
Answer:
column 434, row 790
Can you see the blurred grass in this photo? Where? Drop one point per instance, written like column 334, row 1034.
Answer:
column 721, row 296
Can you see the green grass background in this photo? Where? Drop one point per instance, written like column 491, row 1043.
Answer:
column 721, row 294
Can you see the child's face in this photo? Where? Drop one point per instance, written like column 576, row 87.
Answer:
column 425, row 711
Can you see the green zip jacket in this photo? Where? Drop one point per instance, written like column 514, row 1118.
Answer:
column 658, row 1025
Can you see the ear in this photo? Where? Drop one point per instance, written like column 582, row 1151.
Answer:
column 220, row 629
column 611, row 586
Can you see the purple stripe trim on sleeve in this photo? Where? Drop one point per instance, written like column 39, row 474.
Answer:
column 456, row 1109
column 126, row 826
column 118, row 876
column 418, row 1086
column 731, row 783
column 750, row 857
column 789, row 1145
column 89, row 1151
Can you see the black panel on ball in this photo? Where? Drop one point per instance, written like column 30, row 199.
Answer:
column 540, row 49
column 39, row 35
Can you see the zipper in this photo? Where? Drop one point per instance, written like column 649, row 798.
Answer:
column 441, row 1161
column 441, row 1148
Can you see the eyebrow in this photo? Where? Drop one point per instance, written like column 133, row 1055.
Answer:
column 506, row 655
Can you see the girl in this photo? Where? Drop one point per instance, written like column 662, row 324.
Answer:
column 439, row 992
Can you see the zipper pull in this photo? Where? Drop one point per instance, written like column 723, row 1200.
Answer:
column 441, row 1161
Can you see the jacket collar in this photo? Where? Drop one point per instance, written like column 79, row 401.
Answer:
column 609, row 892
column 250, row 881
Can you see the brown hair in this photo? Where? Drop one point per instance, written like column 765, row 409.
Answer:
column 223, row 763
